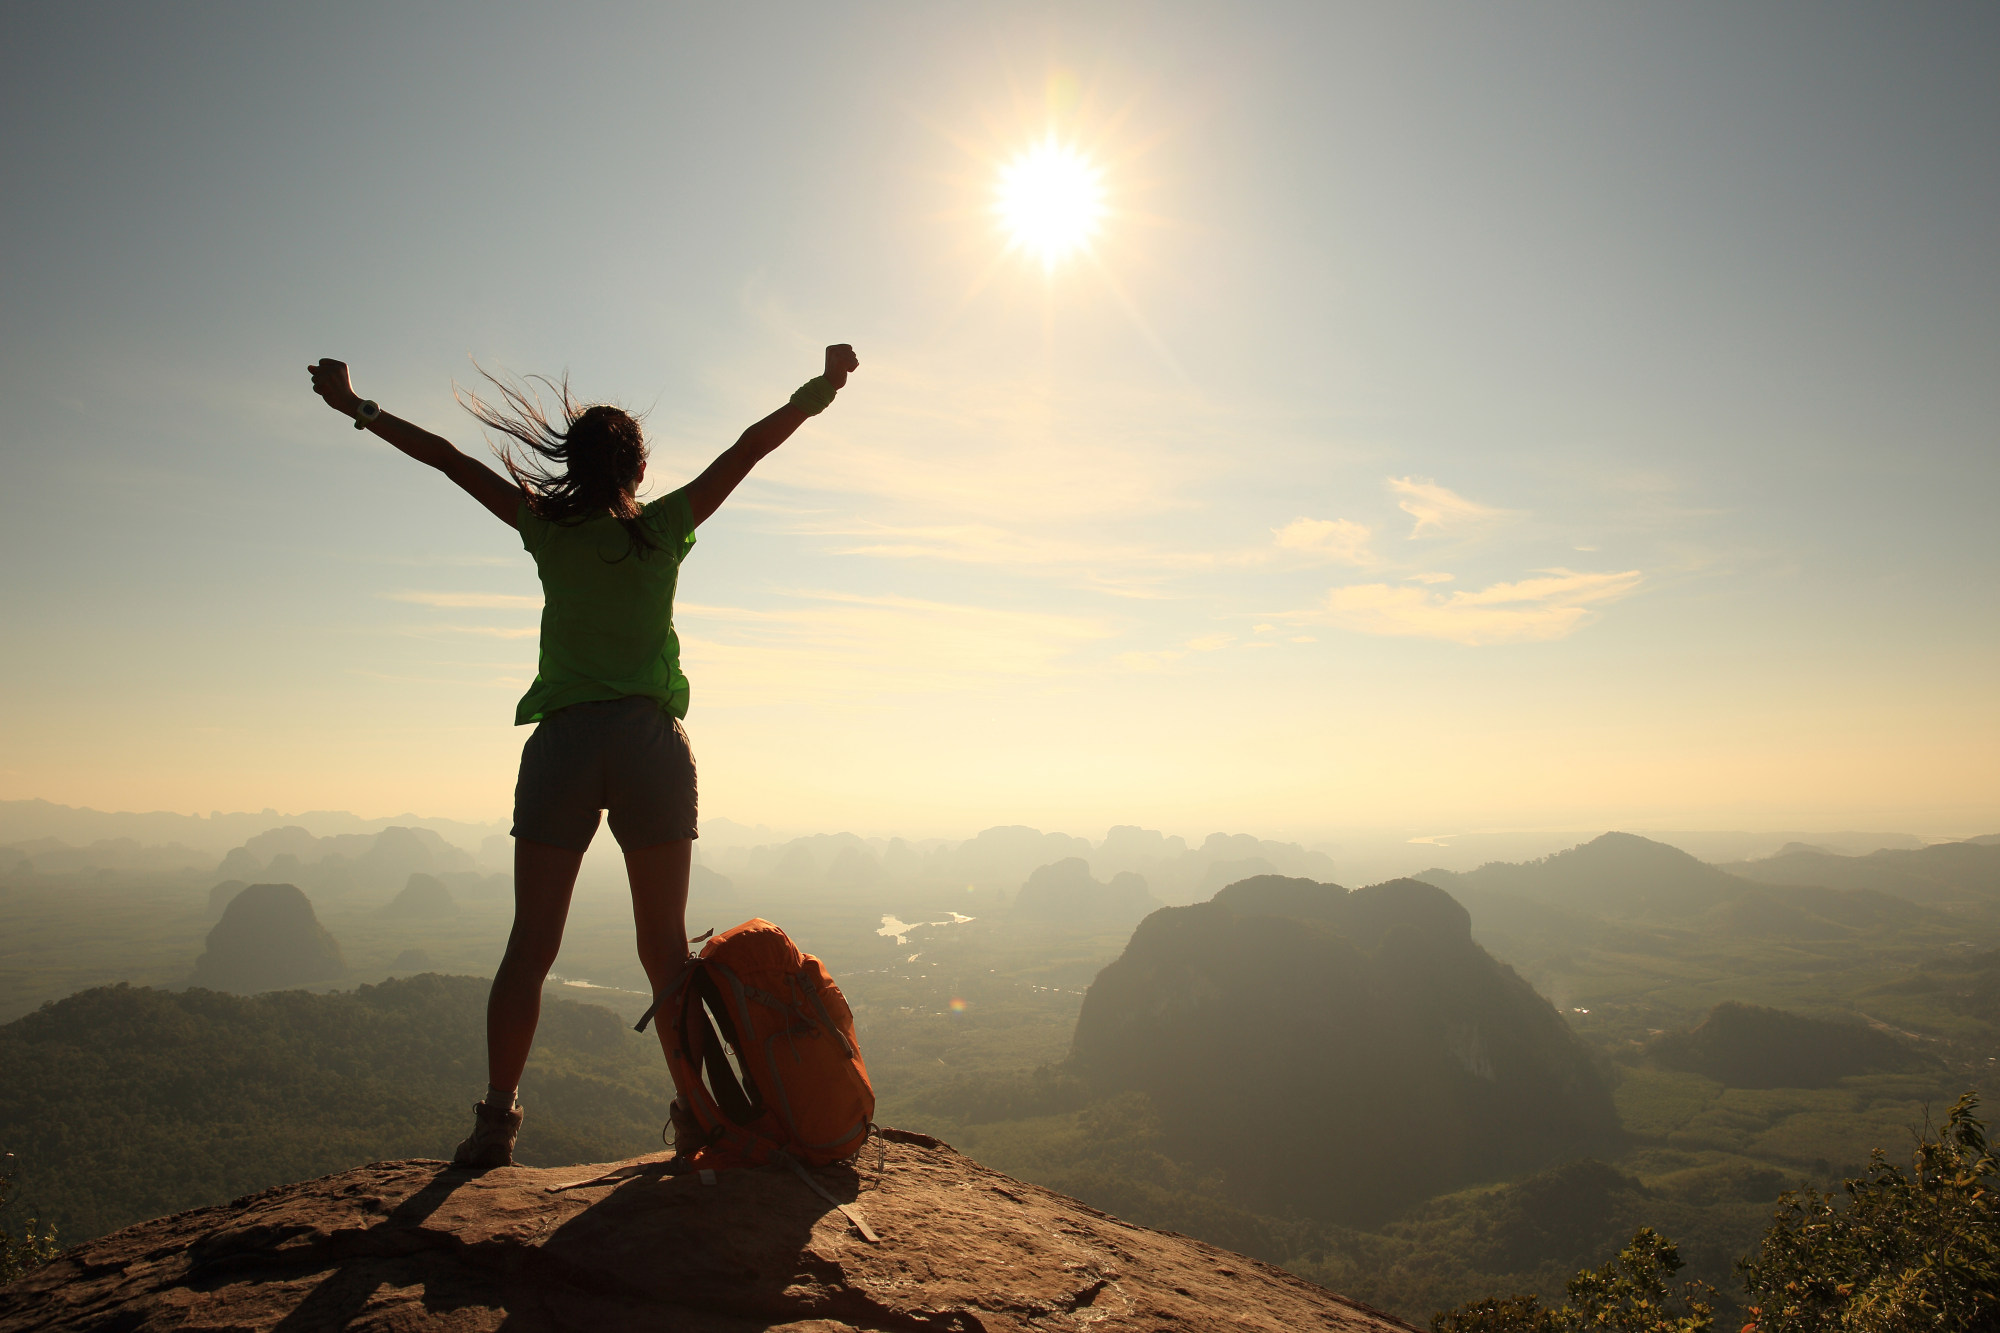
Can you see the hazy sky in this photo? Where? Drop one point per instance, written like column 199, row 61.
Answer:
column 1467, row 416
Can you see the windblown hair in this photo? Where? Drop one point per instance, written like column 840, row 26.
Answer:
column 584, row 468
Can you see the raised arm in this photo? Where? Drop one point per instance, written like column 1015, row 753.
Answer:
column 707, row 492
column 476, row 479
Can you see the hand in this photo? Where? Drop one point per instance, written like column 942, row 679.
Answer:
column 840, row 359
column 330, row 382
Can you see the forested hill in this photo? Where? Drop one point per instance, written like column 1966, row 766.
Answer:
column 1616, row 874
column 1962, row 876
column 125, row 1103
column 1623, row 876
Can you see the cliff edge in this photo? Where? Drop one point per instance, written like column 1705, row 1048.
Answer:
column 414, row 1245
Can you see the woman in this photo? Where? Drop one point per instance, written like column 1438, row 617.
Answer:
column 609, row 694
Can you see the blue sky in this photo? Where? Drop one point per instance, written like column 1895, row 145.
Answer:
column 1466, row 417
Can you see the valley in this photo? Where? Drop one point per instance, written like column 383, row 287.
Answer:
column 1308, row 1089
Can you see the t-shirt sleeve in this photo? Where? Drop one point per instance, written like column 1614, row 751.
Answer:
column 671, row 517
column 533, row 530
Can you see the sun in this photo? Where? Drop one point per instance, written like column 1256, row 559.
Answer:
column 1050, row 200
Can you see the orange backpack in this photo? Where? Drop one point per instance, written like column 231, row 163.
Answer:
column 761, row 1046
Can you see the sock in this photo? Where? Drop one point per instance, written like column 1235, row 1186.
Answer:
column 502, row 1098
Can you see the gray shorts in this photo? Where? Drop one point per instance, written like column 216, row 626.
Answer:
column 629, row 756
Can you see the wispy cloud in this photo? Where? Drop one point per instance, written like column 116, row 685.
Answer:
column 1160, row 659
column 993, row 451
column 1340, row 540
column 829, row 646
column 980, row 543
column 1123, row 488
column 1108, row 485
column 1548, row 607
column 1437, row 509
column 1097, row 562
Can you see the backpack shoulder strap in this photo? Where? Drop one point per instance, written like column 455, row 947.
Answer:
column 737, row 1102
column 669, row 993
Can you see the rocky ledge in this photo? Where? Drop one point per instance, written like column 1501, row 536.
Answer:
column 415, row 1245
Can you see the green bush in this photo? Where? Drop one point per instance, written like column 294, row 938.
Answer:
column 1915, row 1250
column 35, row 1245
column 1631, row 1294
column 1906, row 1252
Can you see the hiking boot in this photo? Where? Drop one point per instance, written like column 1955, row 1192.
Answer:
column 491, row 1143
column 687, row 1136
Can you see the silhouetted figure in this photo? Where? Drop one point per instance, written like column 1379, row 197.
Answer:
column 609, row 695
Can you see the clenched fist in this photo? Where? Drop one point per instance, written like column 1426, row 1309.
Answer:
column 330, row 382
column 840, row 360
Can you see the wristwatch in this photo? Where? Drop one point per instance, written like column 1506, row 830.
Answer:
column 364, row 415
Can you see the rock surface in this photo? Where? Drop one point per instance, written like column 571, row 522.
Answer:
column 414, row 1245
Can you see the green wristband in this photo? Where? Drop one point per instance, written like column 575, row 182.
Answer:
column 814, row 396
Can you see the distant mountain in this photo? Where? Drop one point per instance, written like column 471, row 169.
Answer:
column 53, row 856
column 1339, row 1055
column 1623, row 877
column 210, row 834
column 1949, row 875
column 997, row 860
column 223, row 894
column 380, row 862
column 424, row 898
column 1180, row 874
column 805, row 862
column 1002, row 857
column 704, row 885
column 1750, row 1046
column 268, row 938
column 1804, row 912
column 1616, row 875
column 466, row 885
column 1065, row 893
column 1127, row 847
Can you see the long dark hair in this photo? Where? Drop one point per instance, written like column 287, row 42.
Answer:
column 583, row 469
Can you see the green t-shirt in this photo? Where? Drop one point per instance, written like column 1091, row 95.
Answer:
column 608, row 609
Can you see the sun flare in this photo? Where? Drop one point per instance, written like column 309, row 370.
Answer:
column 1050, row 200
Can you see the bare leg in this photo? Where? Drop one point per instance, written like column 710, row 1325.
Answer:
column 544, row 878
column 659, row 876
